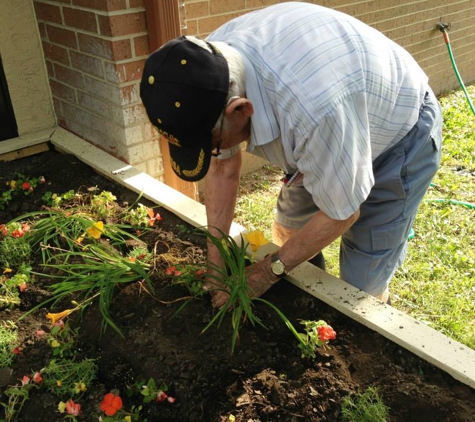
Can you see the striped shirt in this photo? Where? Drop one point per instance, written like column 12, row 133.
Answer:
column 329, row 91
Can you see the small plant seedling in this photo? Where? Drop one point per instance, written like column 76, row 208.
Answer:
column 365, row 407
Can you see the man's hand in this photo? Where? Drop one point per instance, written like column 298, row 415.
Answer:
column 218, row 291
column 259, row 277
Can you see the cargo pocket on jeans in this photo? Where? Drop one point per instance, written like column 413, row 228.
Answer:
column 390, row 236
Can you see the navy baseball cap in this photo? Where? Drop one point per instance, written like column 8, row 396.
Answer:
column 184, row 89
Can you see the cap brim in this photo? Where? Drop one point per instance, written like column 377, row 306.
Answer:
column 191, row 163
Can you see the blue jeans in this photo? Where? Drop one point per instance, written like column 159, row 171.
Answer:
column 375, row 246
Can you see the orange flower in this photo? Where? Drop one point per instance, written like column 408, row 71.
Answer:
column 111, row 404
column 59, row 316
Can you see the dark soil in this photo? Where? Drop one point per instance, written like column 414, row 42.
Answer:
column 265, row 379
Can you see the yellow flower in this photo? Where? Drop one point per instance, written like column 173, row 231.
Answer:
column 96, row 230
column 7, row 270
column 13, row 184
column 60, row 315
column 256, row 239
column 128, row 419
column 79, row 240
column 55, row 343
column 232, row 418
column 79, row 386
column 62, row 407
column 59, row 383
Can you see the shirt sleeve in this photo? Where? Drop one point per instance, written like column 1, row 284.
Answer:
column 336, row 158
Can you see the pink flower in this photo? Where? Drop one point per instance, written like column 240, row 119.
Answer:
column 37, row 378
column 3, row 229
column 326, row 332
column 171, row 399
column 170, row 270
column 25, row 227
column 25, row 380
column 23, row 287
column 40, row 333
column 73, row 408
column 42, row 179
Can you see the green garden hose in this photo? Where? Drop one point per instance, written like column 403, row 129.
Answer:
column 443, row 28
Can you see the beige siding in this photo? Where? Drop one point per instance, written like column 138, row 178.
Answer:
column 24, row 67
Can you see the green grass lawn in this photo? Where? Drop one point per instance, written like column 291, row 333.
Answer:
column 436, row 284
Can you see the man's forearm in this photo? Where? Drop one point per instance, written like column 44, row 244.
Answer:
column 222, row 182
column 318, row 233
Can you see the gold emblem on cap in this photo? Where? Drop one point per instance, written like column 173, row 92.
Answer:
column 183, row 61
column 177, row 104
column 198, row 168
column 151, row 80
column 176, row 167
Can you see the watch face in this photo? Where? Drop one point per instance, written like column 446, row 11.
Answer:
column 278, row 267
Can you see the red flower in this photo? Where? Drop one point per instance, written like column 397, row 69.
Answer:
column 17, row 233
column 42, row 179
column 200, row 273
column 161, row 396
column 170, row 270
column 37, row 378
column 326, row 332
column 25, row 185
column 25, row 227
column 3, row 229
column 17, row 351
column 22, row 287
column 73, row 408
column 25, row 380
column 111, row 404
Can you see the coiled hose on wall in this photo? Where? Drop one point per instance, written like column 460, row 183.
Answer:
column 443, row 27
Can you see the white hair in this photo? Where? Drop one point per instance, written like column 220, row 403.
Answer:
column 237, row 74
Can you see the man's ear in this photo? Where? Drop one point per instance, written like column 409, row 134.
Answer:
column 240, row 105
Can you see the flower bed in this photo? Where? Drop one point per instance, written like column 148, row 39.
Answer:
column 159, row 365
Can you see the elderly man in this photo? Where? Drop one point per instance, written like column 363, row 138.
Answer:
column 344, row 111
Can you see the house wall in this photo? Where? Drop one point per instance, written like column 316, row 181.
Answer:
column 410, row 23
column 95, row 50
column 24, row 67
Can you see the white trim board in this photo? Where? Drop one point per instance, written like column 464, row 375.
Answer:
column 449, row 355
column 25, row 141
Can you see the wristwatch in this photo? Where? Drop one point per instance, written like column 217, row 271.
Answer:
column 277, row 266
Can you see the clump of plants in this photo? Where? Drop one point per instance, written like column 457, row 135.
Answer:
column 365, row 406
column 20, row 185
column 240, row 304
column 84, row 246
column 8, row 342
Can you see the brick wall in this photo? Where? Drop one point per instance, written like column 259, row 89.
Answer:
column 410, row 23
column 94, row 52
